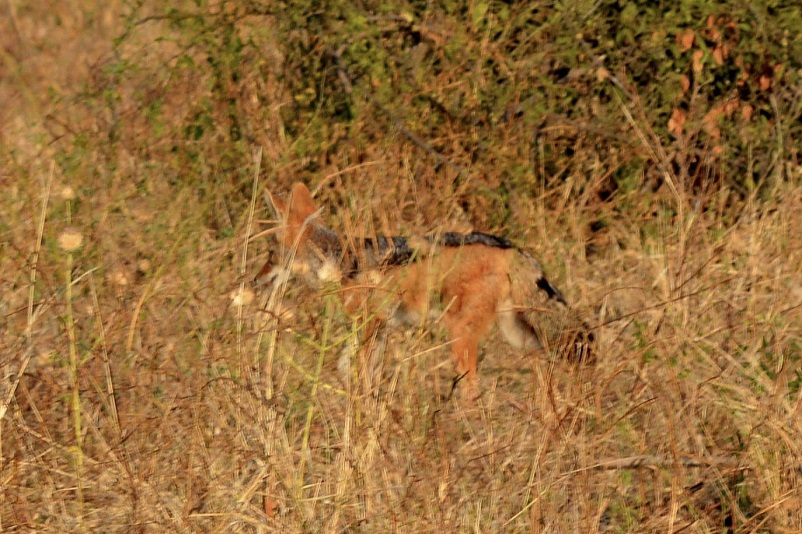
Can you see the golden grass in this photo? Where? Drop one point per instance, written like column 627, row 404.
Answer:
column 140, row 396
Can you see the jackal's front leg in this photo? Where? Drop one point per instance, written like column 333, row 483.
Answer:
column 467, row 321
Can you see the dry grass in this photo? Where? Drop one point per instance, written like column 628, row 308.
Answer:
column 140, row 395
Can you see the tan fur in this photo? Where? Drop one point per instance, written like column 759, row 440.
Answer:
column 476, row 284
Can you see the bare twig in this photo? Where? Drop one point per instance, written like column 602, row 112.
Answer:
column 660, row 462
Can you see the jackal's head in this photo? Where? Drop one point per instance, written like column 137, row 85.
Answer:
column 305, row 247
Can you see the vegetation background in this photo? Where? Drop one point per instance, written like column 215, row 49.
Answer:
column 648, row 152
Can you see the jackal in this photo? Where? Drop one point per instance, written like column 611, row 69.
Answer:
column 475, row 278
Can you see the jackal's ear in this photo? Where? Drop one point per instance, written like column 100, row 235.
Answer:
column 292, row 214
column 301, row 204
column 279, row 206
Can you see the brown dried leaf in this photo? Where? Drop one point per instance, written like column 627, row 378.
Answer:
column 710, row 126
column 730, row 105
column 766, row 78
column 676, row 124
column 712, row 29
column 685, row 83
column 747, row 111
column 684, row 40
column 697, row 61
column 710, row 121
column 719, row 53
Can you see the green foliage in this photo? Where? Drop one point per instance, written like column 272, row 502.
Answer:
column 474, row 73
column 534, row 91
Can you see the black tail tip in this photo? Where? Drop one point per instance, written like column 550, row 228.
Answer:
column 550, row 290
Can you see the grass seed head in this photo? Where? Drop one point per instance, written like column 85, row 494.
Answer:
column 70, row 239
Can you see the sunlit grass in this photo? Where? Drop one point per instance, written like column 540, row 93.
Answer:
column 153, row 386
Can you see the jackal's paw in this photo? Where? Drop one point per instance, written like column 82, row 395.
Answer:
column 576, row 345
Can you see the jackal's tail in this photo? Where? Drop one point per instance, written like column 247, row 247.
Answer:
column 531, row 269
column 550, row 290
